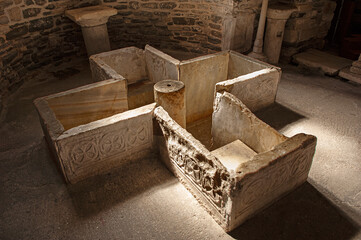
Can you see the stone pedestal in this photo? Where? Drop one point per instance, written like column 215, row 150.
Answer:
column 93, row 22
column 170, row 94
column 277, row 16
column 258, row 42
column 352, row 73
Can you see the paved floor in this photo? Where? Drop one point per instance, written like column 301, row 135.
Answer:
column 143, row 200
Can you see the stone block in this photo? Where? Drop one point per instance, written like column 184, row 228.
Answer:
column 5, row 3
column 89, row 130
column 290, row 36
column 269, row 165
column 234, row 154
column 243, row 33
column 257, row 89
column 355, row 70
column 41, row 24
column 4, row 20
column 240, row 64
column 14, row 14
column 91, row 16
column 347, row 74
column 329, row 64
column 17, row 32
column 126, row 62
column 160, row 66
column 31, row 12
column 357, row 63
column 141, row 69
column 200, row 76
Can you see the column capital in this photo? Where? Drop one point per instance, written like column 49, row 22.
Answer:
column 91, row 16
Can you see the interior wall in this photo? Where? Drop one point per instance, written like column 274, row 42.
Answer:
column 34, row 33
column 187, row 25
column 308, row 26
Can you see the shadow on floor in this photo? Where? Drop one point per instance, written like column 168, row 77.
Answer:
column 278, row 116
column 303, row 214
column 98, row 193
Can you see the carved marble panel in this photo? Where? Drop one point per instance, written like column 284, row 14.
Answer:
column 199, row 76
column 196, row 165
column 106, row 144
column 160, row 66
column 231, row 196
column 256, row 90
column 291, row 163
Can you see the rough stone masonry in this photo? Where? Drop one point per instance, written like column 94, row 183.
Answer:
column 34, row 33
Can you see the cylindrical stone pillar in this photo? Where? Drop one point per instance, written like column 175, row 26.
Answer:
column 96, row 39
column 170, row 94
column 93, row 21
column 276, row 21
column 258, row 42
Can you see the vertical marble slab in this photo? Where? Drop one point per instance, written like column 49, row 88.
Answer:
column 160, row 66
column 200, row 76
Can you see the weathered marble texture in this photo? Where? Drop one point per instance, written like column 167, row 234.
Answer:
column 89, row 103
column 232, row 120
column 91, row 16
column 232, row 196
column 128, row 63
column 96, row 141
column 160, row 66
column 200, row 75
column 93, row 21
column 240, row 64
column 195, row 166
column 256, row 90
column 170, row 94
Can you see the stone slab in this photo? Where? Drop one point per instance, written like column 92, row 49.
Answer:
column 243, row 32
column 232, row 120
column 200, row 76
column 355, row 70
column 160, row 66
column 234, row 154
column 195, row 166
column 256, row 90
column 106, row 144
column 89, row 130
column 91, row 16
column 357, row 64
column 140, row 94
column 271, row 175
column 232, row 197
column 329, row 64
column 89, row 103
column 347, row 74
column 240, row 64
column 125, row 62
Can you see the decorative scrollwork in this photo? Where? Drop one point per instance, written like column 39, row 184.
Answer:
column 105, row 144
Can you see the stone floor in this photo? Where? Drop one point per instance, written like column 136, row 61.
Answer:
column 142, row 200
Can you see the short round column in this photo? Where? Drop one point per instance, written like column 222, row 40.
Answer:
column 170, row 94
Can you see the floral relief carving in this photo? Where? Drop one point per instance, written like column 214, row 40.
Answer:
column 295, row 166
column 106, row 144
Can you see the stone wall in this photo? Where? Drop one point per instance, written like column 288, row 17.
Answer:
column 188, row 25
column 308, row 26
column 34, row 33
